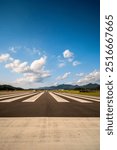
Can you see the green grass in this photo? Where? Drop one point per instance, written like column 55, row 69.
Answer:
column 93, row 93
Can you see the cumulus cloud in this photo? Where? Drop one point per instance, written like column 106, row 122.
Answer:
column 35, row 72
column 66, row 75
column 38, row 64
column 33, row 77
column 67, row 54
column 22, row 67
column 93, row 77
column 4, row 57
column 17, row 66
column 75, row 63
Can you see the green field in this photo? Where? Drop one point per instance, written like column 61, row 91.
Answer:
column 91, row 93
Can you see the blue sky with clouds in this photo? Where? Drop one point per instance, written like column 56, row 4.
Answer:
column 48, row 42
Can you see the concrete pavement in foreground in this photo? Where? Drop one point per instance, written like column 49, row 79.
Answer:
column 49, row 133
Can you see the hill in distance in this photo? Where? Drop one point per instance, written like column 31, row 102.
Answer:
column 89, row 86
column 9, row 87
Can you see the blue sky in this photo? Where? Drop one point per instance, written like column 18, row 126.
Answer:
column 48, row 42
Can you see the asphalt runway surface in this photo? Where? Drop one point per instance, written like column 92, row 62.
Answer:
column 48, row 104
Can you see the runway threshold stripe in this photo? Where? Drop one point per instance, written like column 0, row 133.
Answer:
column 92, row 97
column 17, row 98
column 10, row 96
column 97, row 100
column 57, row 98
column 73, row 98
column 33, row 98
column 87, row 98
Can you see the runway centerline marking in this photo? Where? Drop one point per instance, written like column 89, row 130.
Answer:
column 57, row 98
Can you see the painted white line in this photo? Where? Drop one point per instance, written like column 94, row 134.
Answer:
column 33, row 98
column 17, row 98
column 78, row 96
column 73, row 98
column 93, row 97
column 10, row 96
column 57, row 98
column 97, row 100
column 14, row 93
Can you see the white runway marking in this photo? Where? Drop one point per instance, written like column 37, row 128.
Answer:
column 17, row 98
column 93, row 97
column 13, row 95
column 76, row 99
column 97, row 100
column 85, row 97
column 33, row 98
column 57, row 98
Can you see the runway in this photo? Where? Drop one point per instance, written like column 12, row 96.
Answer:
column 48, row 120
column 48, row 104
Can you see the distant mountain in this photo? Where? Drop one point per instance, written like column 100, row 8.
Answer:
column 89, row 86
column 9, row 87
column 66, row 86
column 61, row 86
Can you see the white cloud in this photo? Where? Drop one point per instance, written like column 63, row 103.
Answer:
column 55, row 84
column 93, row 77
column 4, row 57
column 67, row 54
column 34, row 72
column 75, row 63
column 17, row 66
column 22, row 67
column 30, row 74
column 34, row 77
column 79, row 74
column 66, row 75
column 61, row 65
column 38, row 64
